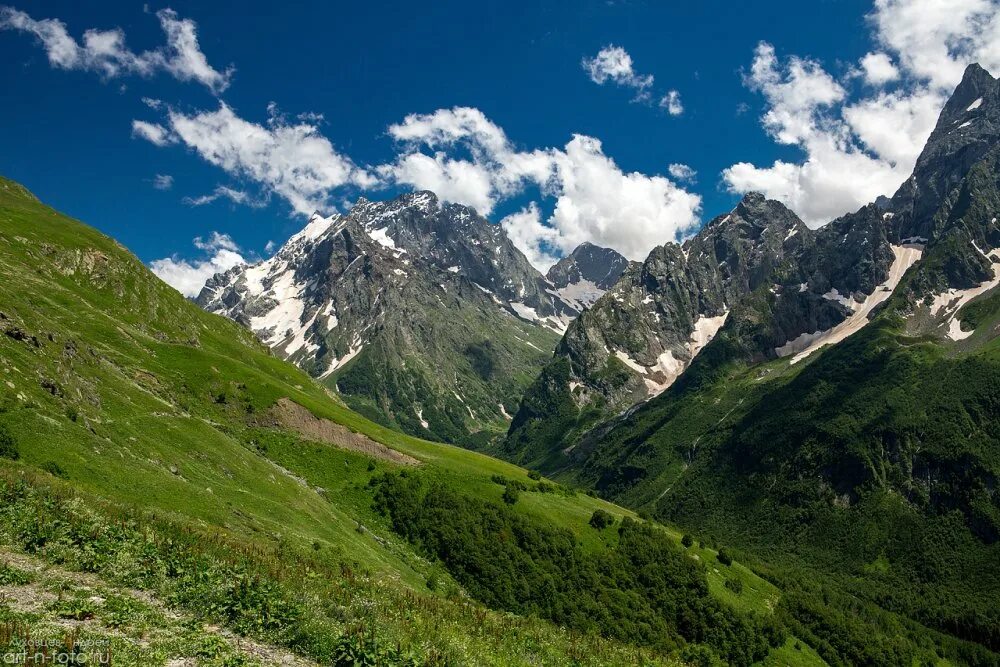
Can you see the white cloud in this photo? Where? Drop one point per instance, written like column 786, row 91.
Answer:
column 221, row 253
column 492, row 171
column 613, row 63
column 154, row 133
column 163, row 181
column 183, row 57
column 600, row 203
column 222, row 192
column 672, row 103
column 595, row 200
column 857, row 147
column 682, row 172
column 215, row 242
column 294, row 161
column 794, row 94
column 531, row 236
column 934, row 40
column 453, row 180
column 459, row 154
column 105, row 52
column 878, row 69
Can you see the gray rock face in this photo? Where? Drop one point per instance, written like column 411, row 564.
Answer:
column 583, row 276
column 640, row 336
column 423, row 315
column 588, row 263
column 966, row 130
column 455, row 238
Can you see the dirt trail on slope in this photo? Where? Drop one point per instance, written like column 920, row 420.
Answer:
column 294, row 417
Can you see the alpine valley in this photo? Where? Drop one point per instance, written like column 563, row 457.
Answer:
column 395, row 442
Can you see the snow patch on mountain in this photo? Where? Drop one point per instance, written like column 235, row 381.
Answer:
column 904, row 256
column 948, row 303
column 580, row 295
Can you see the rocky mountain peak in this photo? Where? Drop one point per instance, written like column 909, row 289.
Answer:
column 968, row 128
column 584, row 275
column 976, row 83
column 601, row 266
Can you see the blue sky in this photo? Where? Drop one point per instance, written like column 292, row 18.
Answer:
column 69, row 132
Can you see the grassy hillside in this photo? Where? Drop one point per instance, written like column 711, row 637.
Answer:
column 141, row 441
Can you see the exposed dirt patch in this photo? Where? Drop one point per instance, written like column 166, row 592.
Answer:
column 294, row 417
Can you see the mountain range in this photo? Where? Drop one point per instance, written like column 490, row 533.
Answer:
column 422, row 314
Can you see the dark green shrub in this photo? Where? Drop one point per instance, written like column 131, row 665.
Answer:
column 735, row 585
column 8, row 446
column 53, row 469
column 601, row 519
column 510, row 495
column 534, row 474
column 687, row 541
column 724, row 557
column 12, row 576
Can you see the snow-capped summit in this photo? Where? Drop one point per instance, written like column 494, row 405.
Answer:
column 403, row 302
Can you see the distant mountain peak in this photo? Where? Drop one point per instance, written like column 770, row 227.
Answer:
column 582, row 277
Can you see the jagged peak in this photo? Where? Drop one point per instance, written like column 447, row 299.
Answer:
column 752, row 198
column 759, row 211
column 977, row 73
column 976, row 86
column 755, row 208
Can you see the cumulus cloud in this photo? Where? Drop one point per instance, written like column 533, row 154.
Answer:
column 858, row 146
column 538, row 241
column 878, row 69
column 292, row 160
column 613, row 63
column 219, row 254
column 163, row 181
column 105, row 52
column 672, row 103
column 934, row 40
column 629, row 211
column 492, row 170
column 470, row 160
